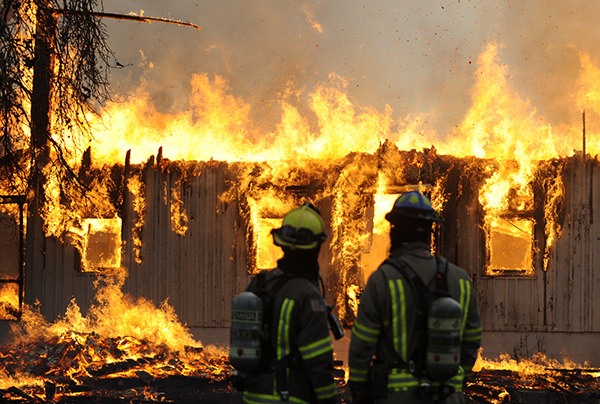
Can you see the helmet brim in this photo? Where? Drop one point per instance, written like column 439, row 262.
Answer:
column 278, row 241
column 396, row 215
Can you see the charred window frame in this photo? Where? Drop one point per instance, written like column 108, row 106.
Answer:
column 512, row 236
column 262, row 252
column 12, row 273
column 101, row 242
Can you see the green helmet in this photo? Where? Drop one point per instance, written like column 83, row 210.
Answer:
column 302, row 228
column 415, row 205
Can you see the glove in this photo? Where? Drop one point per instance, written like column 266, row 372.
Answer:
column 237, row 382
column 360, row 393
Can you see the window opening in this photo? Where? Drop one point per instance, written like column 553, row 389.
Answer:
column 510, row 244
column 101, row 244
column 12, row 265
column 378, row 244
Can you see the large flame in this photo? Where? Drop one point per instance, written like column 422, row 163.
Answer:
column 502, row 128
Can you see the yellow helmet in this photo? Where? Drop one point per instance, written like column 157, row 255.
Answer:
column 302, row 228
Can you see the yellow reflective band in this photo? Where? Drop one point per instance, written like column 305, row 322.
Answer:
column 367, row 330
column 358, row 375
column 326, row 391
column 283, row 328
column 472, row 335
column 365, row 333
column 255, row 398
column 316, row 348
column 465, row 300
column 399, row 311
column 401, row 379
column 457, row 380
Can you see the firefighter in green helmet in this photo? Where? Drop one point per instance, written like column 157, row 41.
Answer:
column 296, row 363
column 418, row 330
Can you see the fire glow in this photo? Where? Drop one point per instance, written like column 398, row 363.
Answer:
column 500, row 127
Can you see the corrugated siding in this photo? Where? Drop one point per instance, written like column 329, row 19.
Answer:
column 201, row 271
column 198, row 272
column 564, row 297
column 573, row 289
column 50, row 276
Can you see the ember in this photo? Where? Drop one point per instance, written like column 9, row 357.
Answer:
column 79, row 368
column 518, row 191
column 551, row 386
column 76, row 366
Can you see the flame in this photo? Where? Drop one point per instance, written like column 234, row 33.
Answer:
column 179, row 217
column 539, row 363
column 120, row 336
column 502, row 128
column 310, row 18
column 114, row 314
column 137, row 188
column 9, row 301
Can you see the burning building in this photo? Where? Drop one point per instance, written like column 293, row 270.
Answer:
column 195, row 233
column 191, row 234
column 178, row 210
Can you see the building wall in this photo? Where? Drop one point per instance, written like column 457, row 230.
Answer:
column 562, row 297
column 200, row 272
column 197, row 273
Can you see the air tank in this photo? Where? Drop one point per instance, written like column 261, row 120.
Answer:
column 443, row 338
column 246, row 332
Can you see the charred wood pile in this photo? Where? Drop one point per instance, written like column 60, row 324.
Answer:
column 84, row 368
column 551, row 386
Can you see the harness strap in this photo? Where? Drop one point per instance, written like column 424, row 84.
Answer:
column 419, row 289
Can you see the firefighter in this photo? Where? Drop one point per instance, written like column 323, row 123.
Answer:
column 298, row 363
column 392, row 355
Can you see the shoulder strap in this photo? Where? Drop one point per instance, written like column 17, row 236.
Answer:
column 415, row 281
column 266, row 289
column 408, row 273
column 419, row 289
column 277, row 281
column 441, row 279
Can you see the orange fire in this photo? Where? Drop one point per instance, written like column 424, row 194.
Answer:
column 501, row 127
column 119, row 337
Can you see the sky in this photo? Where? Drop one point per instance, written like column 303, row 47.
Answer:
column 417, row 57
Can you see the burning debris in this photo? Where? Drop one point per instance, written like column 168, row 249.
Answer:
column 534, row 380
column 76, row 367
column 85, row 367
column 123, row 349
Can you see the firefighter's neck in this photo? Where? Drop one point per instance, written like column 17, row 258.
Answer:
column 303, row 263
column 404, row 247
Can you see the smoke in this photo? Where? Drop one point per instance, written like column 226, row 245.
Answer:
column 417, row 57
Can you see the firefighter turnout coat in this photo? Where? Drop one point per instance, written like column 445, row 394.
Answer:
column 302, row 347
column 387, row 320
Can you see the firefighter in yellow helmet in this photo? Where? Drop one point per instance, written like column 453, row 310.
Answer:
column 418, row 329
column 297, row 364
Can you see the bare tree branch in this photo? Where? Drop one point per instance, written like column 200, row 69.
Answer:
column 137, row 18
